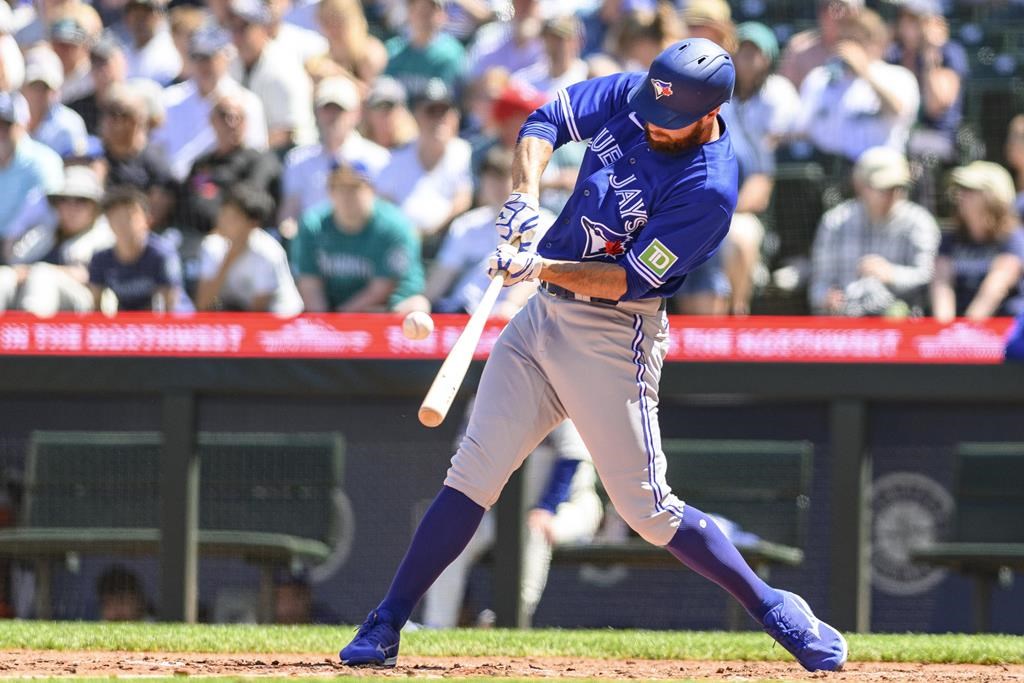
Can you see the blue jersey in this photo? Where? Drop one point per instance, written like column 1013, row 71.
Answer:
column 657, row 215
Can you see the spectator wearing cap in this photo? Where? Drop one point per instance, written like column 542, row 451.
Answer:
column 50, row 122
column 561, row 65
column 93, row 157
column 429, row 179
column 387, row 120
column 349, row 42
column 149, row 49
column 37, row 17
column 71, row 36
column 273, row 74
column 241, row 267
column 858, row 100
column 425, row 53
column 457, row 279
column 12, row 64
column 295, row 40
column 1015, row 156
column 108, row 67
column 29, row 170
column 121, row 595
column 187, row 132
column 874, row 254
column 923, row 46
column 813, row 47
column 294, row 602
column 711, row 19
column 49, row 271
column 980, row 266
column 131, row 159
column 141, row 270
column 306, row 168
column 509, row 111
column 764, row 108
column 230, row 163
column 183, row 21
column 357, row 253
column 511, row 45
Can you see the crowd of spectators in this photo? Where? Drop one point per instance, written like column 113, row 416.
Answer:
column 350, row 155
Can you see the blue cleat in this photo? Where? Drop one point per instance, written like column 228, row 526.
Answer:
column 815, row 644
column 375, row 644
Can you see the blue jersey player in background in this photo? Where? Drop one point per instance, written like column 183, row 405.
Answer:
column 654, row 199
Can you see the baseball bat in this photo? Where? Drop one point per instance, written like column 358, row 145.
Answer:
column 449, row 378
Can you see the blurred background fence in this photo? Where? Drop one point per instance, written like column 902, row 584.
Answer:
column 880, row 445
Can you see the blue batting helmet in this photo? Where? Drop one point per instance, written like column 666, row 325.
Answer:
column 685, row 82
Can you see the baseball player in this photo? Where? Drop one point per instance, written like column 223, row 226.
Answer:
column 654, row 199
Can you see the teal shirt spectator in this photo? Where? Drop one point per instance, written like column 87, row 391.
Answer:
column 443, row 57
column 387, row 247
column 33, row 171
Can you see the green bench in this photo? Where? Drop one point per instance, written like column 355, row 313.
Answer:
column 989, row 521
column 761, row 485
column 266, row 498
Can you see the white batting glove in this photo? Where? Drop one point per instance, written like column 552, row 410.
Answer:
column 518, row 265
column 518, row 218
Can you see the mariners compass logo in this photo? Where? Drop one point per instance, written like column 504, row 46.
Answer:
column 661, row 88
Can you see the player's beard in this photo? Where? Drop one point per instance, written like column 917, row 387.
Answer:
column 692, row 139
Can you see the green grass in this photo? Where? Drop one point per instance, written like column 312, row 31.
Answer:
column 608, row 644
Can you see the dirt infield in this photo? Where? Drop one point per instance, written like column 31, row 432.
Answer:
column 24, row 663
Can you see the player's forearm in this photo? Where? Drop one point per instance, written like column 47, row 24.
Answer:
column 593, row 278
column 531, row 158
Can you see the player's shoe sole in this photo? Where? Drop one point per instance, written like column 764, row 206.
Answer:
column 388, row 663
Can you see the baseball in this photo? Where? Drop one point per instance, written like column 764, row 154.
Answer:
column 417, row 325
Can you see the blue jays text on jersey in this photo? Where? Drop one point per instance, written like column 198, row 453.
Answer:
column 657, row 215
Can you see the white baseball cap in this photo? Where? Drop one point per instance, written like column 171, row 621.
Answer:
column 337, row 90
column 42, row 64
column 987, row 177
column 79, row 181
column 882, row 168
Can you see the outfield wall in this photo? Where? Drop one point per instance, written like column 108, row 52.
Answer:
column 899, row 422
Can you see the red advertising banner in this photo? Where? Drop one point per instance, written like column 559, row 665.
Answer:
column 247, row 335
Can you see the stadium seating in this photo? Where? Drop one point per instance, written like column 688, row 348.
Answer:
column 265, row 498
column 989, row 525
column 763, row 486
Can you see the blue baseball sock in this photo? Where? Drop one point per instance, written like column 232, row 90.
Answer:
column 701, row 546
column 443, row 533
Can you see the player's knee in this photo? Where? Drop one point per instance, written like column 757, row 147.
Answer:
column 471, row 474
column 656, row 525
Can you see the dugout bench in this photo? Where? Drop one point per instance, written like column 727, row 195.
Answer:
column 761, row 485
column 989, row 521
column 267, row 498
